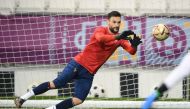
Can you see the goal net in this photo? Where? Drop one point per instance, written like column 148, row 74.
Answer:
column 35, row 48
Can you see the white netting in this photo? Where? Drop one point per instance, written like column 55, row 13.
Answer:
column 35, row 47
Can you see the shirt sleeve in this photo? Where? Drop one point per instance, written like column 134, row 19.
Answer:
column 101, row 36
column 127, row 46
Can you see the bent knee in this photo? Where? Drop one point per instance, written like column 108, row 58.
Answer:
column 76, row 101
column 51, row 85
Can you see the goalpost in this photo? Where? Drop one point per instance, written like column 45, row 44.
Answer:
column 35, row 48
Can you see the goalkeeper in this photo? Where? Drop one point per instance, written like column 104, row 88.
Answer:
column 175, row 76
column 104, row 41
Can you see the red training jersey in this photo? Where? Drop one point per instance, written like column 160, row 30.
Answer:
column 101, row 46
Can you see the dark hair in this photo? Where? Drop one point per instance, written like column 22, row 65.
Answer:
column 114, row 14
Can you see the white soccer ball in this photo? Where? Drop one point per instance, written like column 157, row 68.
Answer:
column 32, row 86
column 160, row 32
column 96, row 91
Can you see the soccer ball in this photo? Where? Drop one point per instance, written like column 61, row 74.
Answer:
column 96, row 91
column 32, row 86
column 160, row 32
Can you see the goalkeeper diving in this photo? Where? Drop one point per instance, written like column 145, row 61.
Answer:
column 82, row 68
column 181, row 71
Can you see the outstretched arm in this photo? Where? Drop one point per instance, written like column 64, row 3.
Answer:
column 125, row 44
column 132, row 43
column 101, row 36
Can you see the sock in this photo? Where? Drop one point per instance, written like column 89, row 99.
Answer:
column 41, row 88
column 28, row 95
column 68, row 103
column 52, row 107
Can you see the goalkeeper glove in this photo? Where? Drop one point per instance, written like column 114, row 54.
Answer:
column 151, row 98
column 125, row 35
column 135, row 41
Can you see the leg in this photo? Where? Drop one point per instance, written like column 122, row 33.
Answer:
column 83, row 84
column 67, row 74
column 82, row 88
column 38, row 90
column 68, row 103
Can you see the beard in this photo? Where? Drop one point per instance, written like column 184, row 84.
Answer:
column 114, row 29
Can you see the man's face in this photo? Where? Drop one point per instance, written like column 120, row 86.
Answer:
column 114, row 24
